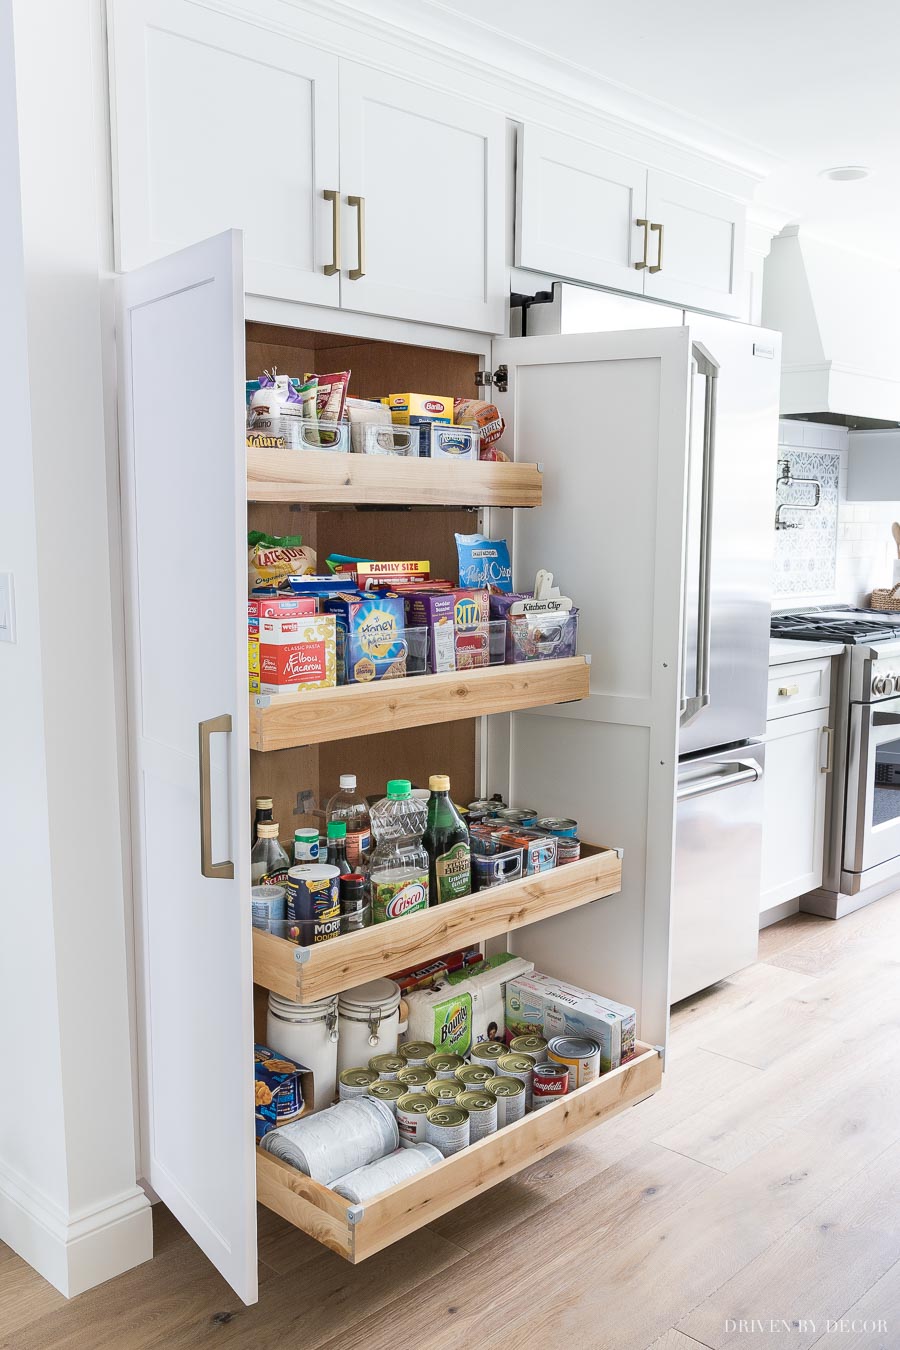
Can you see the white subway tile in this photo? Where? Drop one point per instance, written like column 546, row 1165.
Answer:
column 792, row 433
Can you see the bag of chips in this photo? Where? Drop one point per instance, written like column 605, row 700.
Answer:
column 484, row 563
column 271, row 559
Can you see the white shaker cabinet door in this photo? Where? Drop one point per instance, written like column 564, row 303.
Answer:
column 219, row 124
column 422, row 178
column 185, row 516
column 797, row 760
column 577, row 207
column 697, row 239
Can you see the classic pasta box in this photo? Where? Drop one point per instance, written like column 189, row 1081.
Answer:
column 371, row 639
column 297, row 653
column 457, row 624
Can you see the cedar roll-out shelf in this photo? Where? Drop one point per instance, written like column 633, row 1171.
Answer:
column 332, row 478
column 358, row 1231
column 304, row 974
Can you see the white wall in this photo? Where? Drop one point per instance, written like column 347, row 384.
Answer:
column 68, row 1197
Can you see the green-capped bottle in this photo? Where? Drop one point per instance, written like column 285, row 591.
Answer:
column 447, row 841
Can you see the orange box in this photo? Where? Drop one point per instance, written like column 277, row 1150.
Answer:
column 297, row 653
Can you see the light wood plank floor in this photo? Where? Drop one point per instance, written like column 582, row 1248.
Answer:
column 762, row 1186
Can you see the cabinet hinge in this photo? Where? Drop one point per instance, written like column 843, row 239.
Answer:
column 499, row 378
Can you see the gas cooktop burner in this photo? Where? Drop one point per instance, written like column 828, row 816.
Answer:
column 841, row 623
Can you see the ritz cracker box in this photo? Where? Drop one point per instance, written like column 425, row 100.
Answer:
column 457, row 624
column 297, row 653
column 371, row 638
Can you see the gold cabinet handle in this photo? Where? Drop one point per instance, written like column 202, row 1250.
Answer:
column 360, row 269
column 643, row 263
column 788, row 690
column 220, row 870
column 334, row 266
column 829, row 753
column 657, row 266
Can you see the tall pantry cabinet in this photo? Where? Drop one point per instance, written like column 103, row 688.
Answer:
column 592, row 736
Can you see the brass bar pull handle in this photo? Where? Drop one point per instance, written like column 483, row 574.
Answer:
column 208, row 868
column 643, row 263
column 657, row 266
column 334, row 266
column 829, row 752
column 788, row 690
column 360, row 269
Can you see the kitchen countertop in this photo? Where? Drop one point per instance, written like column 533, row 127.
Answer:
column 783, row 650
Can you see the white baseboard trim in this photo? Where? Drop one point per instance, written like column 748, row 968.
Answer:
column 77, row 1251
column 779, row 912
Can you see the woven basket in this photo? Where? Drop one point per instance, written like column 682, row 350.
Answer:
column 885, row 599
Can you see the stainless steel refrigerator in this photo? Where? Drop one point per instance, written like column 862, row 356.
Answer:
column 726, row 614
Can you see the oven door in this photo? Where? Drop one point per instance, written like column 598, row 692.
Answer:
column 872, row 824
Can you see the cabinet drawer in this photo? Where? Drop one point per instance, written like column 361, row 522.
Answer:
column 798, row 688
column 358, row 1231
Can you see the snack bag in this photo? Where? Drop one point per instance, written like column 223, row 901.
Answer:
column 474, row 412
column 484, row 563
column 272, row 558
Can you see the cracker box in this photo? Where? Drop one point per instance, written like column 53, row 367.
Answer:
column 278, row 607
column 539, row 1003
column 283, row 1089
column 371, row 636
column 297, row 653
column 453, row 442
column 457, row 624
column 374, row 575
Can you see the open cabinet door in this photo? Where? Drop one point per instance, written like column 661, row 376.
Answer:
column 607, row 414
column 184, row 505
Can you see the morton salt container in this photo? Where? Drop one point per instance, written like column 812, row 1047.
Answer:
column 307, row 1033
column 368, row 1022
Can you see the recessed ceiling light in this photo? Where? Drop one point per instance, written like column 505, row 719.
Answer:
column 846, row 173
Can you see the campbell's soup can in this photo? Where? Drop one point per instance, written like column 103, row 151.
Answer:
column 355, row 1083
column 411, row 1112
column 533, row 1045
column 580, row 1054
column 510, row 1095
column 445, row 1089
column 482, row 1109
column 415, row 1079
column 447, row 1128
column 444, row 1065
column 549, row 1082
column 518, row 1066
column 568, row 849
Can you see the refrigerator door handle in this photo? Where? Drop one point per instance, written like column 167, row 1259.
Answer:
column 707, row 366
column 728, row 775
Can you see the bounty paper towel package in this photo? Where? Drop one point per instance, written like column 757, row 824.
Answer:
column 538, row 1003
column 465, row 1007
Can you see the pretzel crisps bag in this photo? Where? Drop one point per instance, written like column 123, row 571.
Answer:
column 271, row 559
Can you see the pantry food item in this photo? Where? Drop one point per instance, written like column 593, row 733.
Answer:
column 447, row 842
column 364, row 413
column 305, row 1032
column 517, row 1066
column 561, row 826
column 567, row 850
column 510, row 1095
column 420, row 410
column 336, row 1141
column 331, row 394
column 456, row 621
column 278, row 606
column 445, row 1089
column 356, row 910
column 485, row 986
column 466, row 1006
column 278, row 1090
column 454, row 442
column 306, row 845
column 489, row 1052
column 266, row 405
column 269, row 864
column 355, row 1082
column 272, row 558
column 483, row 562
column 415, row 1079
column 482, row 1109
column 548, row 1083
column 388, row 1091
column 371, row 642
column 266, row 902
column 496, row 869
column 380, row 575
column 474, row 1076
column 398, row 872
column 368, row 1022
column 263, row 815
column 411, row 1112
column 533, row 1045
column 367, row 1182
column 540, row 1003
column 485, row 417
column 447, row 1129
column 349, row 805
column 387, row 1066
column 297, row 653
column 416, row 1053
column 580, row 1054
column 313, row 902
column 444, row 1064
column 420, row 977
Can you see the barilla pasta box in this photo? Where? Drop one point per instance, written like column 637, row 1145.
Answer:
column 539, row 1003
column 297, row 653
column 370, row 636
column 457, row 624
column 412, row 410
column 282, row 1089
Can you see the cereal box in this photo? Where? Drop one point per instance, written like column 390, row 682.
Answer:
column 297, row 653
column 457, row 623
column 371, row 638
column 283, row 1088
column 538, row 1003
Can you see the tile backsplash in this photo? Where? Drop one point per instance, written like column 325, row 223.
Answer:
column 841, row 551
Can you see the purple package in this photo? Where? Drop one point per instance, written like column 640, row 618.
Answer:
column 457, row 627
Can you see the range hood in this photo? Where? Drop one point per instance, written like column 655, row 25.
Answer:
column 840, row 316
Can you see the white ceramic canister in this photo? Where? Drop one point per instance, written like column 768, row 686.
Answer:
column 308, row 1033
column 368, row 1022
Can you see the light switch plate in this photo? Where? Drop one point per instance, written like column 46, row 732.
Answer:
column 7, row 608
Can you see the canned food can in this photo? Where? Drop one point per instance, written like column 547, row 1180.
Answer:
column 567, row 850
column 415, row 1052
column 447, row 1129
column 415, row 1079
column 444, row 1065
column 412, row 1109
column 473, row 1075
column 522, row 815
column 580, row 1053
column 559, row 825
column 549, row 1082
column 355, row 1083
column 482, row 1109
column 481, row 809
column 389, row 1091
column 518, row 1066
column 387, row 1066
column 510, row 1094
column 533, row 1045
column 445, row 1089
column 488, row 1052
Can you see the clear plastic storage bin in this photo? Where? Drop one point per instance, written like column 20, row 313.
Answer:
column 307, row 433
column 359, row 661
column 390, row 440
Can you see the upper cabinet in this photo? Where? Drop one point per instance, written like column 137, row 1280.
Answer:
column 594, row 216
column 354, row 188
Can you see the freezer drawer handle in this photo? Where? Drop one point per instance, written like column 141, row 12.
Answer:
column 220, row 870
column 690, row 707
column 730, row 775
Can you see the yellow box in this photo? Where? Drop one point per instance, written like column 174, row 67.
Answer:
column 253, row 663
column 409, row 410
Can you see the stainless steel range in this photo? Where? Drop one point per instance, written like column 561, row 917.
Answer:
column 862, row 843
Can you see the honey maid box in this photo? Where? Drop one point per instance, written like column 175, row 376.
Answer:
column 372, row 641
